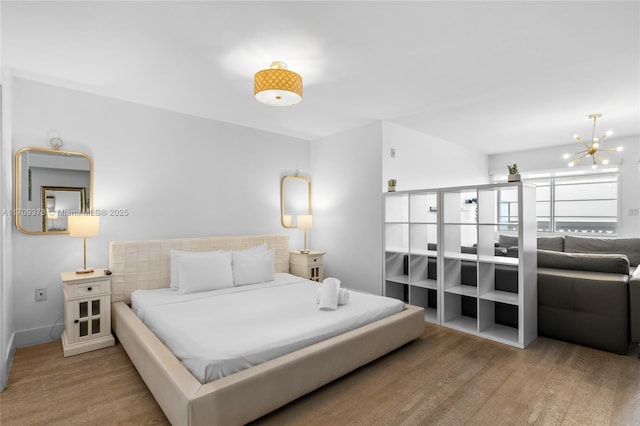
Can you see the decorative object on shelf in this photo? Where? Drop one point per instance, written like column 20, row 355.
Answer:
column 514, row 173
column 592, row 150
column 84, row 226
column 277, row 86
column 305, row 221
column 392, row 185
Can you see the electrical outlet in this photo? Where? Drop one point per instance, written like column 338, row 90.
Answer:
column 41, row 294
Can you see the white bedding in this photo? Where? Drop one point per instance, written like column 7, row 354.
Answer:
column 220, row 332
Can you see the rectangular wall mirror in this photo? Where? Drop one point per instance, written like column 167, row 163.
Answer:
column 295, row 199
column 50, row 185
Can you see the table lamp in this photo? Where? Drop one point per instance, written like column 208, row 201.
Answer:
column 305, row 221
column 84, row 226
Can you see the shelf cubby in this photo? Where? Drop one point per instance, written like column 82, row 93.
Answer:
column 427, row 298
column 397, row 290
column 397, row 237
column 396, row 208
column 423, row 207
column 499, row 321
column 459, row 312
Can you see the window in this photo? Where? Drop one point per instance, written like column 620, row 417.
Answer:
column 574, row 204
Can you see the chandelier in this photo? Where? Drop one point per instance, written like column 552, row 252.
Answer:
column 592, row 149
column 277, row 86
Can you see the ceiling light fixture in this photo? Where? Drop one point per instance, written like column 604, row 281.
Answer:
column 592, row 150
column 277, row 86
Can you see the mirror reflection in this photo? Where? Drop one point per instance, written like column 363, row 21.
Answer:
column 295, row 199
column 58, row 203
column 51, row 185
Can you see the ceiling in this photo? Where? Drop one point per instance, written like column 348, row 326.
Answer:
column 492, row 76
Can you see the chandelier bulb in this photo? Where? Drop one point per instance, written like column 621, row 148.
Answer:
column 605, row 161
column 565, row 156
column 596, row 144
column 619, row 149
column 609, row 132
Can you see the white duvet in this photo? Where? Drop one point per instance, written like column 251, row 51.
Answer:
column 220, row 332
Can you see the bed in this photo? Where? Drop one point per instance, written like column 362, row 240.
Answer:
column 242, row 396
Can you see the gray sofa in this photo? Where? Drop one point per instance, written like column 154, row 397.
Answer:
column 588, row 289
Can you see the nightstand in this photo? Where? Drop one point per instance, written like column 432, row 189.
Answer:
column 87, row 312
column 307, row 265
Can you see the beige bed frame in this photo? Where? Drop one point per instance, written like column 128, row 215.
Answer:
column 249, row 394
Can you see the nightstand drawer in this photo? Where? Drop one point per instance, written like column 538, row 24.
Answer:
column 90, row 289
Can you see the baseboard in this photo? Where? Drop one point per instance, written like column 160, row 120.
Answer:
column 11, row 350
column 36, row 336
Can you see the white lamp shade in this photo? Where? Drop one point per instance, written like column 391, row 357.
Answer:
column 305, row 221
column 84, row 226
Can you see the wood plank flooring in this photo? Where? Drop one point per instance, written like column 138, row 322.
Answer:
column 443, row 378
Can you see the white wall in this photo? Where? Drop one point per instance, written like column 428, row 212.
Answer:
column 424, row 161
column 176, row 175
column 551, row 159
column 350, row 172
column 347, row 206
column 6, row 221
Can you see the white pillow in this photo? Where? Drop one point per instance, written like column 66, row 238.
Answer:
column 208, row 271
column 253, row 266
column 176, row 256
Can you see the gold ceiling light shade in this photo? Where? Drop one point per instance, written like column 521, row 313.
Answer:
column 277, row 86
column 592, row 149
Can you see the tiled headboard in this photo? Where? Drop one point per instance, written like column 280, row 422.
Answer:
column 145, row 264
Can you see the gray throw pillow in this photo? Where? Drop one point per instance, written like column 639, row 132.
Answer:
column 551, row 243
column 612, row 263
column 627, row 246
column 507, row 240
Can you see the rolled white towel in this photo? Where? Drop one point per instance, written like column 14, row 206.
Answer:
column 329, row 294
column 343, row 296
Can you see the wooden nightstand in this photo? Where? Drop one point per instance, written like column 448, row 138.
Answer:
column 87, row 312
column 307, row 265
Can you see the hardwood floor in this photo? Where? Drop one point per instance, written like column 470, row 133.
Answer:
column 445, row 377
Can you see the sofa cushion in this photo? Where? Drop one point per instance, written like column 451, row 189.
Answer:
column 611, row 263
column 627, row 246
column 497, row 251
column 507, row 240
column 583, row 307
column 551, row 243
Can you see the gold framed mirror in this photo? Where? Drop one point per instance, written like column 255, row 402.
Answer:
column 50, row 185
column 295, row 199
column 59, row 203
